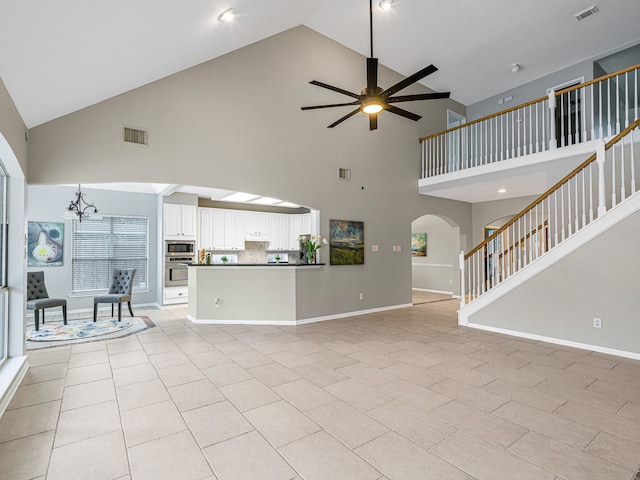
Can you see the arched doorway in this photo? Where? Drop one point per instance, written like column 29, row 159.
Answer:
column 436, row 268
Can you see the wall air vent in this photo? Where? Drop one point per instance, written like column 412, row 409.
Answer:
column 136, row 136
column 592, row 10
column 344, row 173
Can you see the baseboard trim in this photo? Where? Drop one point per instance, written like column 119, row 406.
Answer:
column 292, row 323
column 557, row 341
column 11, row 375
column 428, row 290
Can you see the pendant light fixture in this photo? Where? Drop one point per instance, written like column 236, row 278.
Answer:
column 80, row 208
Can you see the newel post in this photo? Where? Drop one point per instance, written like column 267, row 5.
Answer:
column 463, row 294
column 600, row 159
column 553, row 142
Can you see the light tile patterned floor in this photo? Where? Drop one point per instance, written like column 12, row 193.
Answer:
column 404, row 394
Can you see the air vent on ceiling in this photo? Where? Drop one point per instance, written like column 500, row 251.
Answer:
column 136, row 136
column 592, row 10
column 344, row 173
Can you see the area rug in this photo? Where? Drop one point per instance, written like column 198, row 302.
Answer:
column 78, row 331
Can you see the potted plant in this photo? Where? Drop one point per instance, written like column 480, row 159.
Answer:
column 311, row 244
column 224, row 259
column 277, row 258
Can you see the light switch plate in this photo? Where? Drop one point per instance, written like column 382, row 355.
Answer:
column 375, row 248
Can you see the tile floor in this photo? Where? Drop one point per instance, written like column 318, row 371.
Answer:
column 404, row 394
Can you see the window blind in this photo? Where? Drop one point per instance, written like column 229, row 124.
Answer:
column 99, row 246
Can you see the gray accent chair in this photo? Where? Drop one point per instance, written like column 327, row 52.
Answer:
column 119, row 291
column 38, row 298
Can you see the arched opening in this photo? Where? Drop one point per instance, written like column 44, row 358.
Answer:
column 434, row 259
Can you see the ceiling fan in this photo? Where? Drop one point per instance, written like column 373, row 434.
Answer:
column 372, row 100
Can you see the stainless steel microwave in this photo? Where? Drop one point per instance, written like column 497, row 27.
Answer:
column 179, row 248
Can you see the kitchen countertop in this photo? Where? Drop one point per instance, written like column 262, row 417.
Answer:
column 255, row 264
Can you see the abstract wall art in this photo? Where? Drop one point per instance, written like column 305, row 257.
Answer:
column 45, row 241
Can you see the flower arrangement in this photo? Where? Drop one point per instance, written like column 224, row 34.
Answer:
column 311, row 244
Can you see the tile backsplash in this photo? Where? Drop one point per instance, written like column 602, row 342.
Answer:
column 255, row 252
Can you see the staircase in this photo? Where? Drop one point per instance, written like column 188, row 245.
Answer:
column 596, row 198
column 597, row 195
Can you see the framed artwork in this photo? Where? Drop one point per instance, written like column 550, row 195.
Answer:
column 418, row 244
column 346, row 242
column 45, row 243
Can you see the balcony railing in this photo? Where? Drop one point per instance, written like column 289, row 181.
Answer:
column 589, row 111
column 602, row 181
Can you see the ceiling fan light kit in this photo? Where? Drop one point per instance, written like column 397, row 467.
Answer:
column 227, row 15
column 372, row 100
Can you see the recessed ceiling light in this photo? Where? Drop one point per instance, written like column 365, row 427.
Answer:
column 227, row 15
column 515, row 68
column 266, row 201
column 502, row 190
column 385, row 4
column 239, row 197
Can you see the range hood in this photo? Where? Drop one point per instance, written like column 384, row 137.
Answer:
column 257, row 237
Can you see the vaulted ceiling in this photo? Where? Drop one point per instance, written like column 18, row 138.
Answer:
column 59, row 56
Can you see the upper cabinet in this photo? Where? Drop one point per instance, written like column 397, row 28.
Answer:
column 234, row 229
column 179, row 222
column 221, row 229
column 211, row 229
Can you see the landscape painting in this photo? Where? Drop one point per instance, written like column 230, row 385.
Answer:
column 346, row 242
column 418, row 244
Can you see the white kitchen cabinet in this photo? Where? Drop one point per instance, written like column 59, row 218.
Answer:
column 256, row 222
column 274, row 231
column 295, row 230
column 172, row 295
column 205, row 228
column 218, row 229
column 284, row 228
column 179, row 222
column 234, row 230
column 306, row 224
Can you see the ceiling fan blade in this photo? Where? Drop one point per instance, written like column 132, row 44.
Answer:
column 314, row 107
column 372, row 75
column 403, row 113
column 420, row 96
column 409, row 80
column 335, row 89
column 348, row 115
column 373, row 121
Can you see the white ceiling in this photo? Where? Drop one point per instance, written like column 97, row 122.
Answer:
column 61, row 56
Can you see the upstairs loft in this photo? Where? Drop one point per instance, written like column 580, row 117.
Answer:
column 528, row 148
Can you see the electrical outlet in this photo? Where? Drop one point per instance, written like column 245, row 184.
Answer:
column 361, row 296
column 216, row 303
column 597, row 322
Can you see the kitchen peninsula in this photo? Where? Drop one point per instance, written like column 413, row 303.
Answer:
column 251, row 293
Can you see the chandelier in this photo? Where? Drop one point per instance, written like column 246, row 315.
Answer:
column 80, row 208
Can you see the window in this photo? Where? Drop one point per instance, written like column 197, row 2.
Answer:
column 99, row 246
column 4, row 293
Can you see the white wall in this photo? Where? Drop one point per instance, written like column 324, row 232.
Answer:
column 47, row 203
column 235, row 123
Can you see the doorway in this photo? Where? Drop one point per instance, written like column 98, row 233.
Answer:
column 455, row 119
column 434, row 266
column 568, row 113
